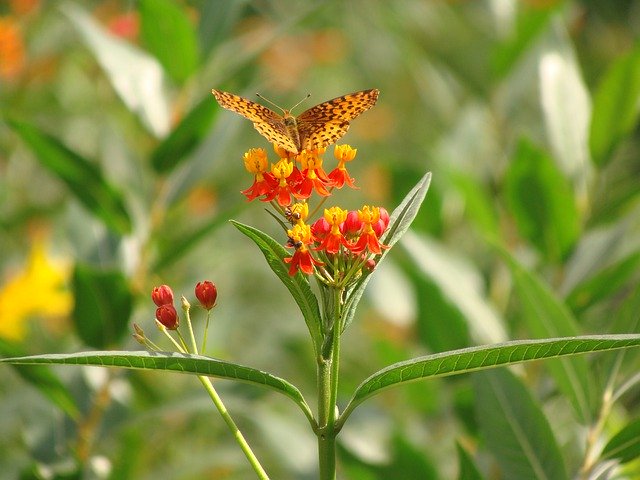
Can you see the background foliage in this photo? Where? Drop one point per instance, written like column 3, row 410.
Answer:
column 119, row 172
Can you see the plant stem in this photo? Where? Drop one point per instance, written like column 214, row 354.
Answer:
column 328, row 372
column 237, row 434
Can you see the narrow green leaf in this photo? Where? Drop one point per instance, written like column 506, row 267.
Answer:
column 174, row 244
column 136, row 76
column 171, row 361
column 510, row 421
column 43, row 380
column 82, row 177
column 297, row 284
column 167, row 32
column 625, row 445
column 399, row 223
column 615, row 106
column 185, row 137
column 566, row 105
column 483, row 357
column 604, row 283
column 546, row 316
column 530, row 22
column 541, row 201
column 467, row 469
column 103, row 305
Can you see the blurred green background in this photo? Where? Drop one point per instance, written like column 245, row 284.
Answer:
column 119, row 172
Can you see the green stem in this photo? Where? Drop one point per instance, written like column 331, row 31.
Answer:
column 237, row 434
column 328, row 372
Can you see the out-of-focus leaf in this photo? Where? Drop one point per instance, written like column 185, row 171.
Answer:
column 185, row 137
column 171, row 361
column 167, row 32
column 478, row 206
column 83, row 178
column 481, row 358
column 216, row 21
column 542, row 202
column 440, row 324
column 567, row 109
column 297, row 284
column 546, row 316
column 615, row 106
column 530, row 22
column 103, row 304
column 406, row 462
column 515, row 428
column 43, row 380
column 137, row 78
column 461, row 286
column 467, row 469
column 173, row 245
column 399, row 223
column 604, row 283
column 625, row 445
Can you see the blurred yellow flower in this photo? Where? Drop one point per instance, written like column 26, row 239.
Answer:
column 39, row 289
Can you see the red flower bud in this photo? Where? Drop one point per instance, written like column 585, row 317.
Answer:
column 162, row 295
column 207, row 293
column 167, row 316
column 352, row 225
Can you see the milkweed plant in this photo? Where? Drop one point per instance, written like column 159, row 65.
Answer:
column 325, row 257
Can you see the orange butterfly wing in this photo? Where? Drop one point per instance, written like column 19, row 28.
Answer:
column 327, row 122
column 267, row 122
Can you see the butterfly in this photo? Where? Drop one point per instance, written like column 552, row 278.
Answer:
column 317, row 127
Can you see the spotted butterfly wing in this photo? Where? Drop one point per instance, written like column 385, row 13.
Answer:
column 267, row 122
column 327, row 122
column 317, row 127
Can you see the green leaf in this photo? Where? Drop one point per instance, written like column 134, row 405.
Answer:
column 481, row 358
column 137, row 77
column 566, row 106
column 103, row 305
column 546, row 316
column 399, row 223
column 530, row 22
column 541, row 201
column 515, row 428
column 615, row 106
column 174, row 244
column 297, row 284
column 43, row 380
column 174, row 362
column 185, row 137
column 167, row 32
column 625, row 445
column 467, row 469
column 603, row 284
column 82, row 177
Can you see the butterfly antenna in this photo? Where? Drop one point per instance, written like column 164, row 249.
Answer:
column 272, row 103
column 278, row 106
column 308, row 95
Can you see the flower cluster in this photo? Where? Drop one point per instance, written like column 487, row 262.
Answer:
column 284, row 180
column 339, row 243
column 167, row 317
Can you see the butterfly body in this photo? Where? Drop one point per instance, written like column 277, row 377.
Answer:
column 314, row 128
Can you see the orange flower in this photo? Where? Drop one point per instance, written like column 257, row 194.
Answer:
column 286, row 174
column 331, row 242
column 256, row 162
column 12, row 49
column 339, row 175
column 299, row 237
column 314, row 177
column 368, row 239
